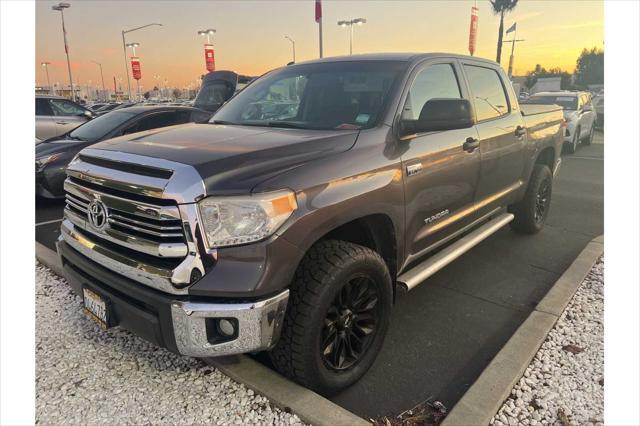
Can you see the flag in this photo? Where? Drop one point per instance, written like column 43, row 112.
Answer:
column 318, row 10
column 511, row 28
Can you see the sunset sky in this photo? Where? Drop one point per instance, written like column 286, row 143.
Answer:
column 250, row 34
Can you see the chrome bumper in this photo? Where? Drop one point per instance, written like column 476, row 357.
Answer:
column 259, row 324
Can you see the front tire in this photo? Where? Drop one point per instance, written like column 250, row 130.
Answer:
column 531, row 212
column 573, row 146
column 337, row 318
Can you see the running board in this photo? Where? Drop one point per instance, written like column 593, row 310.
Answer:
column 433, row 264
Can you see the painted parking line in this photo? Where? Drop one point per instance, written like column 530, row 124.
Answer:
column 50, row 221
column 583, row 158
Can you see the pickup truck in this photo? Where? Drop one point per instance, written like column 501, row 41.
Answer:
column 311, row 200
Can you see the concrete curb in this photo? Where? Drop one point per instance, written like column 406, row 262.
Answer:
column 308, row 405
column 48, row 258
column 487, row 394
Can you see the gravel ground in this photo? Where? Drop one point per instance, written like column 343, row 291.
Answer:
column 564, row 384
column 85, row 375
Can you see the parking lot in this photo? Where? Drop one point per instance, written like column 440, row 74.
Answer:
column 445, row 331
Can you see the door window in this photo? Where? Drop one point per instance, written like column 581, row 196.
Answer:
column 43, row 107
column 153, row 121
column 488, row 92
column 435, row 81
column 65, row 108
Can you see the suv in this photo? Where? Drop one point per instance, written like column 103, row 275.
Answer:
column 291, row 221
column 579, row 115
column 56, row 116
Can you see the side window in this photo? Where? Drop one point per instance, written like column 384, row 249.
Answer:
column 155, row 121
column 435, row 81
column 42, row 107
column 488, row 92
column 65, row 108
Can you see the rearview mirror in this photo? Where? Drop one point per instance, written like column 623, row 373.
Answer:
column 439, row 114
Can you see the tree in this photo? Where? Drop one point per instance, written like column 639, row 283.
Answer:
column 590, row 67
column 146, row 95
column 541, row 72
column 177, row 93
column 500, row 7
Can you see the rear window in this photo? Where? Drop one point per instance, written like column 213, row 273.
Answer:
column 566, row 102
column 488, row 93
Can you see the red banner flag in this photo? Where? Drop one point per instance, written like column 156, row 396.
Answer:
column 318, row 10
column 473, row 30
column 209, row 57
column 135, row 68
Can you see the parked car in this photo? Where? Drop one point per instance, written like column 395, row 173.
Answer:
column 578, row 113
column 93, row 107
column 106, row 108
column 53, row 156
column 56, row 115
column 291, row 229
column 218, row 87
column 523, row 96
column 598, row 103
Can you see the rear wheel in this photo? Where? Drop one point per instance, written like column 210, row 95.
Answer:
column 338, row 314
column 531, row 212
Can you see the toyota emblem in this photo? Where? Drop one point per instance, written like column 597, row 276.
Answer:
column 97, row 214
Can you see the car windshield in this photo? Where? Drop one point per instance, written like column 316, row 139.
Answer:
column 330, row 95
column 566, row 102
column 99, row 127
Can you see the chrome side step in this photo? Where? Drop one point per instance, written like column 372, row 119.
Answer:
column 433, row 264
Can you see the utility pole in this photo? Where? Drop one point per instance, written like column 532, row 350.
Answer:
column 293, row 44
column 104, row 91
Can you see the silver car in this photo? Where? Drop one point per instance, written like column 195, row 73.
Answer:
column 56, row 116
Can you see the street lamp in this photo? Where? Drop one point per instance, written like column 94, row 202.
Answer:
column 46, row 68
column 293, row 44
column 104, row 90
column 60, row 8
column 133, row 47
column 207, row 33
column 350, row 24
column 124, row 49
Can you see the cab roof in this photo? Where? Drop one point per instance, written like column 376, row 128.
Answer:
column 400, row 56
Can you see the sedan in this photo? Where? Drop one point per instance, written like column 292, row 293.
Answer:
column 53, row 155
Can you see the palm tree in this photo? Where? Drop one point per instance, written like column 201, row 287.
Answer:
column 500, row 7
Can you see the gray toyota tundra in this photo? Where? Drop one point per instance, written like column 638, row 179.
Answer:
column 290, row 221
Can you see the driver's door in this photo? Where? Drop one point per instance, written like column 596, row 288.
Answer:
column 68, row 115
column 440, row 176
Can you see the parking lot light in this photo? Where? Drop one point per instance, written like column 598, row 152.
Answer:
column 293, row 43
column 209, row 32
column 46, row 69
column 60, row 7
column 350, row 23
column 124, row 50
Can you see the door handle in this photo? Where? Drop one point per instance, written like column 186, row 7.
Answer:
column 62, row 122
column 471, row 144
column 520, row 131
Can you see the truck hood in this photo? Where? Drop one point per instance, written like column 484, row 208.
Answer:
column 233, row 159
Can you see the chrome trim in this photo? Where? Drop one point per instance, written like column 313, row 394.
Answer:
column 144, row 230
column 259, row 325
column 146, row 224
column 557, row 166
column 433, row 264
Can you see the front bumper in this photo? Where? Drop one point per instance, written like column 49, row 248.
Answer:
column 183, row 324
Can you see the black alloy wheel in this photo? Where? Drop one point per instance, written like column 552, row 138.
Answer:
column 542, row 201
column 350, row 324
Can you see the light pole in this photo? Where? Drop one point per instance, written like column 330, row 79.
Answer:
column 60, row 7
column 207, row 33
column 350, row 24
column 133, row 47
column 293, row 44
column 513, row 44
column 124, row 50
column 46, row 68
column 104, row 91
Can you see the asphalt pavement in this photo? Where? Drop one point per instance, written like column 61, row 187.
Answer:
column 444, row 332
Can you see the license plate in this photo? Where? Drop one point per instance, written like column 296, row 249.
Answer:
column 96, row 308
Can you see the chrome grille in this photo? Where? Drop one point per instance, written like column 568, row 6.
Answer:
column 141, row 226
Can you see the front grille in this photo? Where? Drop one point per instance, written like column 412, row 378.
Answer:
column 152, row 229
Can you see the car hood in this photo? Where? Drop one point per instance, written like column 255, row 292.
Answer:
column 234, row 158
column 70, row 146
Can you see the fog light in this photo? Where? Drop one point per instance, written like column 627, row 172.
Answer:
column 226, row 328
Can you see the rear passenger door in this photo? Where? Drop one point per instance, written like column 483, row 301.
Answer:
column 440, row 176
column 502, row 136
column 45, row 121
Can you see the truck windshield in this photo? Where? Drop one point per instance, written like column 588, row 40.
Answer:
column 330, row 95
column 566, row 102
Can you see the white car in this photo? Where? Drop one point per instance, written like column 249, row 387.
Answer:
column 579, row 115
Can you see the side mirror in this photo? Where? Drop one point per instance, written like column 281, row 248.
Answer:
column 439, row 114
column 88, row 114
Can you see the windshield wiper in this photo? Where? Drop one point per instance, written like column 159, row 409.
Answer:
column 286, row 124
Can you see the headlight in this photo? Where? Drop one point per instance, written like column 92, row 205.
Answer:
column 230, row 221
column 43, row 161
